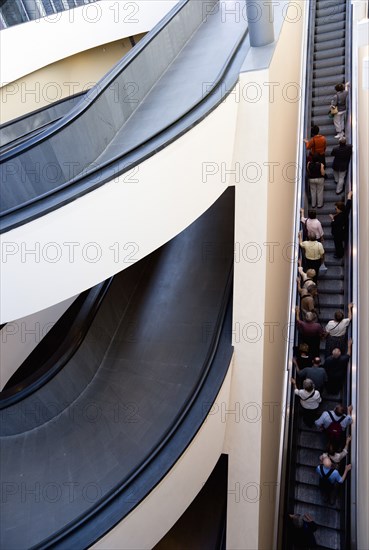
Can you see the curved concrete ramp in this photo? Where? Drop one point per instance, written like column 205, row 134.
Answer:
column 67, row 448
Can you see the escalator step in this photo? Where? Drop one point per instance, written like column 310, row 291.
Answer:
column 321, row 39
column 325, row 72
column 312, row 440
column 323, row 101
column 329, row 80
column 307, row 474
column 328, row 63
column 324, row 92
column 320, row 111
column 312, row 495
column 331, row 520
column 327, row 10
column 328, row 538
column 327, row 286
column 331, row 21
column 337, row 51
column 308, row 457
column 332, row 44
column 330, row 27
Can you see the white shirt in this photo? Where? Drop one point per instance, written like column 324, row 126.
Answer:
column 313, row 226
column 313, row 249
column 312, row 402
column 337, row 329
column 336, row 458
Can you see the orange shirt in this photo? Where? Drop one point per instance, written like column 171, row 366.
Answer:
column 317, row 145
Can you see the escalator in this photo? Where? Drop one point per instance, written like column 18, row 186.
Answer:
column 328, row 66
column 21, row 129
column 119, row 414
column 175, row 76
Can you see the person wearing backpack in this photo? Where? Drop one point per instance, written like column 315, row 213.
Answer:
column 307, row 279
column 329, row 477
column 334, row 423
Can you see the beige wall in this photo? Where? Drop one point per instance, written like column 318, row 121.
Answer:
column 266, row 146
column 61, row 79
column 283, row 132
column 363, row 362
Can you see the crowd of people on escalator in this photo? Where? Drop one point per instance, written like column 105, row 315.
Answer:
column 321, row 375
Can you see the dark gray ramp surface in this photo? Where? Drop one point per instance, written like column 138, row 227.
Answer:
column 185, row 82
column 175, row 72
column 15, row 131
column 74, row 440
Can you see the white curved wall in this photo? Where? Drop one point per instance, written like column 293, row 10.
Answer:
column 152, row 519
column 64, row 34
column 67, row 251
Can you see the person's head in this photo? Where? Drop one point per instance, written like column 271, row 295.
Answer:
column 312, row 214
column 340, row 206
column 309, row 317
column 311, row 236
column 316, row 158
column 327, row 462
column 316, row 362
column 311, row 273
column 340, row 410
column 314, row 130
column 342, row 141
column 297, row 521
column 336, row 353
column 308, row 385
column 338, row 316
column 339, row 87
column 304, row 348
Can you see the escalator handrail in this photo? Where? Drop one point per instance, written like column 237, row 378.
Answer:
column 288, row 397
column 7, row 145
column 20, row 118
column 59, row 537
column 216, row 84
column 354, row 297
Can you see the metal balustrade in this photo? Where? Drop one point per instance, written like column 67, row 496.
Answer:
column 14, row 12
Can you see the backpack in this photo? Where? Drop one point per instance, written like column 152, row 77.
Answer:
column 324, row 482
column 334, row 430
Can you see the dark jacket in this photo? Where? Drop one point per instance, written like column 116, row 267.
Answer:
column 339, row 225
column 342, row 155
column 314, row 170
